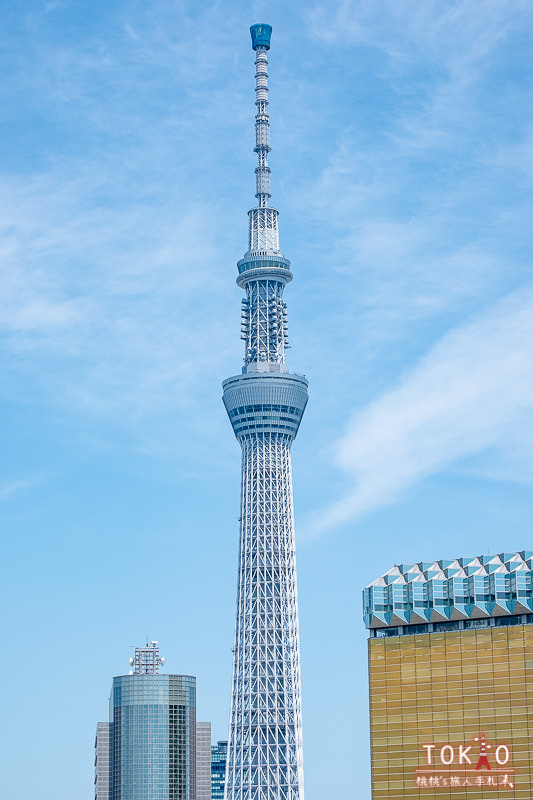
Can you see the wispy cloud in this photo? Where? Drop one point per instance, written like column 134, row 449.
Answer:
column 422, row 205
column 121, row 230
column 120, row 227
column 115, row 245
column 472, row 393
column 11, row 488
column 453, row 33
column 125, row 298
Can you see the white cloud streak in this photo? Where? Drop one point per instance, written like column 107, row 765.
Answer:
column 454, row 32
column 107, row 308
column 425, row 199
column 11, row 488
column 472, row 393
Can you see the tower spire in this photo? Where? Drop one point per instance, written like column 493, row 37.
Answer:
column 263, row 271
column 265, row 405
column 263, row 235
column 261, row 44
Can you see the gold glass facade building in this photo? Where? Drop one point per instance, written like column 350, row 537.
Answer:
column 451, row 697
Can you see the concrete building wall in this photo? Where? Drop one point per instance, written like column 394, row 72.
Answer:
column 203, row 761
column 102, row 761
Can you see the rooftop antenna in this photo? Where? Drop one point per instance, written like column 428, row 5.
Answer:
column 146, row 660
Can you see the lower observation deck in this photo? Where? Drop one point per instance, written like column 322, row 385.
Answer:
column 265, row 402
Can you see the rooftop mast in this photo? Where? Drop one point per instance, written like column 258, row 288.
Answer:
column 146, row 660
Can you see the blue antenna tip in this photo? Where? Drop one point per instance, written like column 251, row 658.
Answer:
column 261, row 33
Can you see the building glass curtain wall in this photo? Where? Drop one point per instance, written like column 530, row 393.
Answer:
column 219, row 753
column 451, row 679
column 152, row 737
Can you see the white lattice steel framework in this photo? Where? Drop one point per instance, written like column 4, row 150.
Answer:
column 265, row 406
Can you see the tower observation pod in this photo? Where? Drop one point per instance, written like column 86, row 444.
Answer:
column 265, row 405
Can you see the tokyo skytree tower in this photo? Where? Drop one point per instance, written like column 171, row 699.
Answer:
column 265, row 406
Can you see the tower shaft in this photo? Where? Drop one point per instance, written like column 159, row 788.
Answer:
column 265, row 405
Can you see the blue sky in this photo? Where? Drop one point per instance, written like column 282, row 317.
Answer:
column 402, row 160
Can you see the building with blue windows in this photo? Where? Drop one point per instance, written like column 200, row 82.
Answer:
column 148, row 749
column 446, row 595
column 219, row 754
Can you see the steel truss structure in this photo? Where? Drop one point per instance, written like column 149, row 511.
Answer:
column 265, row 406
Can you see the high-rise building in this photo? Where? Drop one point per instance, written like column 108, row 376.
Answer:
column 265, row 405
column 101, row 762
column 219, row 754
column 151, row 736
column 203, row 761
column 451, row 679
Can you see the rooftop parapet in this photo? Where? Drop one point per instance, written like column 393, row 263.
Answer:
column 445, row 591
